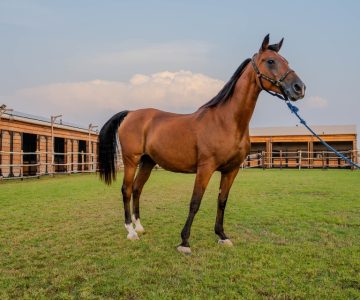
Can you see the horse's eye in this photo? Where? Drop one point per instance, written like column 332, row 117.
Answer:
column 270, row 61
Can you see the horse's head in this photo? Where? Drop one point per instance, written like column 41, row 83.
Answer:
column 274, row 74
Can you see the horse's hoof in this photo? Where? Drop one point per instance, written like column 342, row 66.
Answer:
column 132, row 236
column 139, row 229
column 184, row 250
column 226, row 242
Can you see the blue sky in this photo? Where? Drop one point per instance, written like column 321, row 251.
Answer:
column 90, row 59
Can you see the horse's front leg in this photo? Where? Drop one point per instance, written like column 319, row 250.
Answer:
column 203, row 176
column 227, row 180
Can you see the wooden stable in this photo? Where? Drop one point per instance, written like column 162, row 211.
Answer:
column 289, row 147
column 34, row 146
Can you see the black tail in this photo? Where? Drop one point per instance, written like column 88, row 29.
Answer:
column 108, row 147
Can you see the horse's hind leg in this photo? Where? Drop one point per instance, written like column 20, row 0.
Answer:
column 126, row 189
column 146, row 166
column 227, row 180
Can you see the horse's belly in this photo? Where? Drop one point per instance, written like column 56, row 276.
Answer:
column 179, row 168
column 174, row 161
column 173, row 154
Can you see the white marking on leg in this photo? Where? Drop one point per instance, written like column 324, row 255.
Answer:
column 226, row 242
column 138, row 227
column 184, row 250
column 132, row 235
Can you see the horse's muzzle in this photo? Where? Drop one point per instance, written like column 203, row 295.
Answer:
column 295, row 90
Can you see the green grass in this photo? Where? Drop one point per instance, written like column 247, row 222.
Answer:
column 296, row 235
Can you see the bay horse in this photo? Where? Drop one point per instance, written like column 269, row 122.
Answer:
column 213, row 138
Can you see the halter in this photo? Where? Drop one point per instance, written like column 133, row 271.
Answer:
column 276, row 82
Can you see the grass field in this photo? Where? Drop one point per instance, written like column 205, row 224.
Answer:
column 296, row 235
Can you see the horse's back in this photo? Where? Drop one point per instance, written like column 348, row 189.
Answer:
column 168, row 138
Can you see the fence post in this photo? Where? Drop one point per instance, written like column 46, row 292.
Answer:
column 68, row 158
column 38, row 162
column 280, row 159
column 37, row 154
column 263, row 159
column 300, row 159
column 21, row 163
column 82, row 162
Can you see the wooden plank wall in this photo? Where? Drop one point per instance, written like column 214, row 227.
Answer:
column 43, row 146
column 5, row 157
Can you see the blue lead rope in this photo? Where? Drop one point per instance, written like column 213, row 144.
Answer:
column 295, row 111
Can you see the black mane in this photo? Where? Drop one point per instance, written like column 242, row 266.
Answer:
column 228, row 89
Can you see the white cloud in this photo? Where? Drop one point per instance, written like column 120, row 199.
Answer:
column 85, row 102
column 315, row 102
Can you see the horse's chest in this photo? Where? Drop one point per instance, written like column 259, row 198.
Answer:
column 235, row 155
column 240, row 148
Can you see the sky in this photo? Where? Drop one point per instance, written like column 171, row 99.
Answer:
column 90, row 59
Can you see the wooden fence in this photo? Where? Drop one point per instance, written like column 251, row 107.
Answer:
column 21, row 164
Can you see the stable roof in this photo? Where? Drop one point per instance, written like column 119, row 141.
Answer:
column 46, row 121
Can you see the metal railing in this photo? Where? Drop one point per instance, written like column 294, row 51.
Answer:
column 300, row 159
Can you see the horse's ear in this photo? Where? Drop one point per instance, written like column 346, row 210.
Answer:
column 276, row 47
column 265, row 43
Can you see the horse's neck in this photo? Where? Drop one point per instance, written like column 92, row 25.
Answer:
column 243, row 101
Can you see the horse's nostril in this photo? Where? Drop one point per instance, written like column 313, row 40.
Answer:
column 297, row 88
